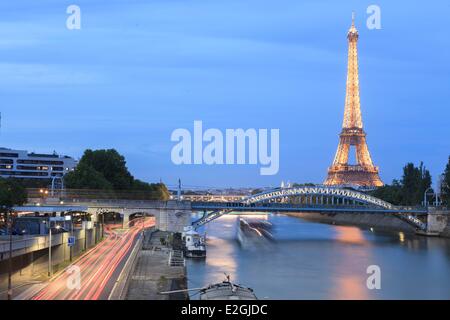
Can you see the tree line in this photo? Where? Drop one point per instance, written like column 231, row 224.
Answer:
column 106, row 170
column 410, row 189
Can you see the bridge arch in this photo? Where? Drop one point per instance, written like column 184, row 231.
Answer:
column 317, row 197
column 323, row 192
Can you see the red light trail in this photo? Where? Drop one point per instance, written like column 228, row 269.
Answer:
column 97, row 267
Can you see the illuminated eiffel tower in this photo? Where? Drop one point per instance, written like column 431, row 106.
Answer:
column 364, row 173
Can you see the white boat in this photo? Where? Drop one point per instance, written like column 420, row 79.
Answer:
column 194, row 243
column 254, row 232
column 225, row 290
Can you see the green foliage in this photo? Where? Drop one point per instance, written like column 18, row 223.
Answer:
column 156, row 191
column 107, row 170
column 111, row 165
column 410, row 189
column 12, row 193
column 415, row 181
column 390, row 193
column 86, row 177
column 256, row 191
column 307, row 184
column 35, row 183
column 445, row 188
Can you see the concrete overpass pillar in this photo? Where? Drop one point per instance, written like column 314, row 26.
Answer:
column 173, row 215
column 125, row 219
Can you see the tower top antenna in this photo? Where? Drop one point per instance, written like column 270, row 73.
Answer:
column 352, row 32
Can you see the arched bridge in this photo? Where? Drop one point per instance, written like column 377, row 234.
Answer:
column 310, row 199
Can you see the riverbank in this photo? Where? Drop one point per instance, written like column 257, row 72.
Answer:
column 378, row 221
column 154, row 272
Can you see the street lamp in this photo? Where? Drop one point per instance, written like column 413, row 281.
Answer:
column 85, row 232
column 50, row 271
column 143, row 225
column 71, row 234
column 103, row 224
column 425, row 197
column 49, row 247
column 8, row 221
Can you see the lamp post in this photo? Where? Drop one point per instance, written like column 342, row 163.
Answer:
column 425, row 197
column 71, row 234
column 103, row 224
column 50, row 267
column 85, row 233
column 49, row 247
column 9, row 227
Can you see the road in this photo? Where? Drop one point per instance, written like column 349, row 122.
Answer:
column 98, row 268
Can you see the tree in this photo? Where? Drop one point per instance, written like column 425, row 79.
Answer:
column 111, row 165
column 425, row 183
column 107, row 170
column 445, row 187
column 390, row 193
column 256, row 191
column 410, row 182
column 307, row 184
column 86, row 177
column 410, row 189
column 414, row 183
column 151, row 191
column 12, row 193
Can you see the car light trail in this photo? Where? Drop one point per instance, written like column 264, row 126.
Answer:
column 97, row 266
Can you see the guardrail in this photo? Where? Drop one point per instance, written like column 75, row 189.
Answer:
column 292, row 207
column 120, row 288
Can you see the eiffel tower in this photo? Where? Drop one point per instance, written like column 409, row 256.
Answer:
column 364, row 173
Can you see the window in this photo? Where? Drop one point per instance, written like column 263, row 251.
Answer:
column 9, row 155
column 24, row 173
column 45, row 162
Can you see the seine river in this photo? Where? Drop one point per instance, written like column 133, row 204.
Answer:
column 319, row 261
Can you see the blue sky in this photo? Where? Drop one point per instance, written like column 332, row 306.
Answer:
column 137, row 70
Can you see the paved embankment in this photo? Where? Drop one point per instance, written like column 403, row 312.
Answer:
column 152, row 272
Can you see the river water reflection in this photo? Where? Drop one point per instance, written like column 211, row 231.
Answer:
column 320, row 261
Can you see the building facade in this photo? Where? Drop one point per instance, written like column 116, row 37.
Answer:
column 21, row 164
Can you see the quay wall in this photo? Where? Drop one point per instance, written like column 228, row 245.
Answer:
column 378, row 221
column 446, row 232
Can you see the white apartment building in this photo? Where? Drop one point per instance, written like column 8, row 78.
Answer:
column 21, row 164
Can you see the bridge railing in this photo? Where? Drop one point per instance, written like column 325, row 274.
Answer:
column 291, row 206
column 84, row 194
